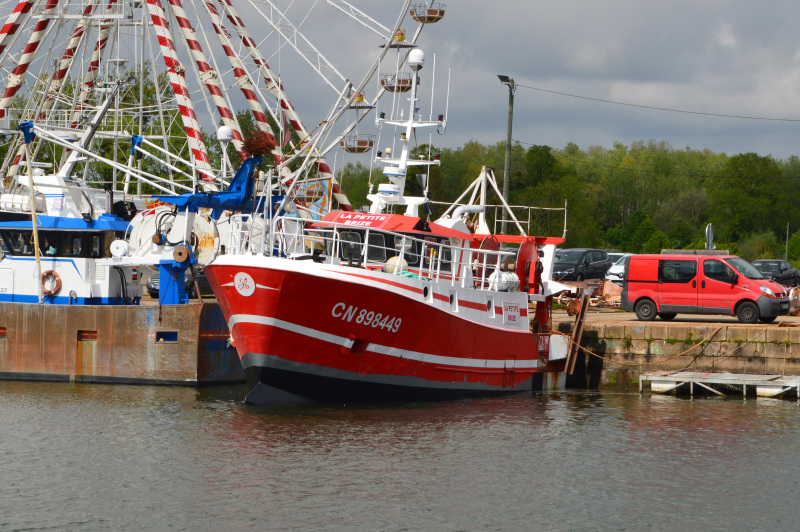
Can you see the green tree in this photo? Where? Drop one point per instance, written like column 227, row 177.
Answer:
column 762, row 245
column 749, row 194
column 540, row 164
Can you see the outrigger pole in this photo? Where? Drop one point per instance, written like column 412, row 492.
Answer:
column 28, row 136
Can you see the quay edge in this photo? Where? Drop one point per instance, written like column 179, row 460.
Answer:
column 137, row 344
column 630, row 349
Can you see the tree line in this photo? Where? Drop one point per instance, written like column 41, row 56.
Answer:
column 640, row 198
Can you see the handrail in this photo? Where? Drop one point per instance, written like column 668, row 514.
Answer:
column 437, row 261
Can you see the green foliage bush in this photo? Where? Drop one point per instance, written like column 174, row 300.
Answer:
column 640, row 198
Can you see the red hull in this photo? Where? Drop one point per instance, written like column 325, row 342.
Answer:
column 308, row 325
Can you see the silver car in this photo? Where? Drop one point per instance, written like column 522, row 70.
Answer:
column 617, row 270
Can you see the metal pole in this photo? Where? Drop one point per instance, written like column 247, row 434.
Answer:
column 786, row 252
column 34, row 222
column 507, row 170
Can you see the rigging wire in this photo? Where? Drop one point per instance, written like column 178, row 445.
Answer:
column 720, row 115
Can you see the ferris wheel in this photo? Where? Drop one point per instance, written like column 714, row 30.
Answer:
column 177, row 70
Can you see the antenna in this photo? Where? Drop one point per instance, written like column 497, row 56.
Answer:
column 225, row 137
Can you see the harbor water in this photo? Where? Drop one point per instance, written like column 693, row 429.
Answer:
column 100, row 457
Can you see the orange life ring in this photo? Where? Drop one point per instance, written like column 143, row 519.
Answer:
column 56, row 282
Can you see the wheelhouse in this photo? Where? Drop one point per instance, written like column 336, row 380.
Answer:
column 57, row 243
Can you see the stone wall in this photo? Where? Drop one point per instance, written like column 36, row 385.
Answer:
column 630, row 349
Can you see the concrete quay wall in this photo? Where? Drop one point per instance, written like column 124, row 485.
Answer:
column 625, row 350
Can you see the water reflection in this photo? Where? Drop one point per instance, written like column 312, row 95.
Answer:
column 99, row 457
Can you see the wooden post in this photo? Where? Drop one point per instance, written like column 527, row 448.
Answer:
column 577, row 334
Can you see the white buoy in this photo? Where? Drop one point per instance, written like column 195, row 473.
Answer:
column 395, row 265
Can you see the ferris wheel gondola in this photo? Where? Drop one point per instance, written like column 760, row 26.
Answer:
column 399, row 82
column 427, row 14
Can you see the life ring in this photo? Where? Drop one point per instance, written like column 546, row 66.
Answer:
column 56, row 282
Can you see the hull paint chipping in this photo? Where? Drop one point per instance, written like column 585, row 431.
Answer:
column 142, row 344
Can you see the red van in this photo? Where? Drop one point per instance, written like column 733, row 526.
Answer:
column 665, row 285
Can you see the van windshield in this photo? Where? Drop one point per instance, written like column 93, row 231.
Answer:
column 568, row 256
column 744, row 267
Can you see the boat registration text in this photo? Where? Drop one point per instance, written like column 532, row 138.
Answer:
column 366, row 317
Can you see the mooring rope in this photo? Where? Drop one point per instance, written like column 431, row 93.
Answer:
column 620, row 363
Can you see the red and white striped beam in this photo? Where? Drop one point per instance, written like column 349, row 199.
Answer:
column 275, row 88
column 13, row 22
column 17, row 76
column 87, row 84
column 67, row 59
column 177, row 78
column 208, row 76
column 60, row 76
column 242, row 79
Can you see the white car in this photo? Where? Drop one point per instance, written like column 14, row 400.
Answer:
column 617, row 270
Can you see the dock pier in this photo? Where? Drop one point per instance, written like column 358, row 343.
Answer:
column 722, row 383
column 692, row 354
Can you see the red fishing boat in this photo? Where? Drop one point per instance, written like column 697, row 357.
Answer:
column 351, row 319
column 379, row 305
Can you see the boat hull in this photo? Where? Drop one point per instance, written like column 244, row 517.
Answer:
column 320, row 332
column 134, row 344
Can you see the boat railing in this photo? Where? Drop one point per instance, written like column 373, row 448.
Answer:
column 529, row 219
column 246, row 234
column 431, row 258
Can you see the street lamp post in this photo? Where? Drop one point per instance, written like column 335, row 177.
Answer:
column 505, row 80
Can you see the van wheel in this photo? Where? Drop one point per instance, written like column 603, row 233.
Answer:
column 645, row 310
column 747, row 312
column 767, row 319
column 666, row 316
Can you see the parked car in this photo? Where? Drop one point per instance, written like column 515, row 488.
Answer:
column 580, row 263
column 779, row 271
column 665, row 285
column 617, row 269
column 614, row 256
column 153, row 283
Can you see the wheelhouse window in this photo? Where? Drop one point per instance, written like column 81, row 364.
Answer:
column 437, row 253
column 447, row 257
column 676, row 271
column 409, row 249
column 350, row 245
column 53, row 243
column 376, row 247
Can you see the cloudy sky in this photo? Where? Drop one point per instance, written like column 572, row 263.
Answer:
column 703, row 61
column 716, row 74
